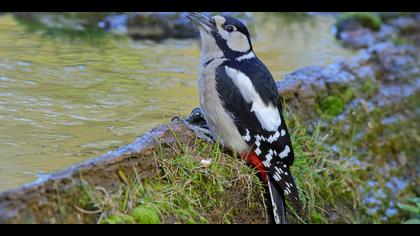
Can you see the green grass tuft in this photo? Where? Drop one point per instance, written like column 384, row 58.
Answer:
column 228, row 191
column 413, row 208
column 185, row 191
column 327, row 185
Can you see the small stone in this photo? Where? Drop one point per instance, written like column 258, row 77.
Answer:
column 205, row 163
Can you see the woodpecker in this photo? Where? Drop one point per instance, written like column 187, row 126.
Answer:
column 240, row 103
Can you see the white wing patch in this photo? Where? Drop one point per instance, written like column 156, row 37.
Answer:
column 247, row 137
column 268, row 116
column 285, row 152
column 267, row 161
column 257, row 151
column 273, row 137
column 271, row 153
column 277, row 173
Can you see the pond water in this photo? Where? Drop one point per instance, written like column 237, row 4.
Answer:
column 64, row 100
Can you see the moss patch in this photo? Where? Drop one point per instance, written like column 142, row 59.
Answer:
column 332, row 106
column 146, row 215
column 366, row 19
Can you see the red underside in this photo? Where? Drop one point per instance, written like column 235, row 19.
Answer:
column 256, row 162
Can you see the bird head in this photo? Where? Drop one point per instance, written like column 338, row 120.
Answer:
column 222, row 36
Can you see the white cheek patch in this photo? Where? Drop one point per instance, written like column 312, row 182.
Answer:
column 237, row 41
column 268, row 116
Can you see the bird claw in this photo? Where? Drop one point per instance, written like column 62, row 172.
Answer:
column 200, row 132
column 197, row 124
column 197, row 118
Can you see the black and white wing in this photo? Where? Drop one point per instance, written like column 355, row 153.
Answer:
column 248, row 92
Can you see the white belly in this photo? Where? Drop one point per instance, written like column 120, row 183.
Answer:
column 221, row 123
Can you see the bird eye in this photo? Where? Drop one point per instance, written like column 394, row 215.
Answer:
column 230, row 28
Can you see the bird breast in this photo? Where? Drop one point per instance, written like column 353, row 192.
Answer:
column 220, row 122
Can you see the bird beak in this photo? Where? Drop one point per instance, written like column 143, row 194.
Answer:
column 202, row 21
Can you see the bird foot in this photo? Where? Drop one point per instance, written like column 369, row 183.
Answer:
column 196, row 122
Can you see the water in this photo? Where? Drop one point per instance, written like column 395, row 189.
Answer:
column 64, row 100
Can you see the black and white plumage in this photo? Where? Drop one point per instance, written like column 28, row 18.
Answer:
column 258, row 117
column 240, row 103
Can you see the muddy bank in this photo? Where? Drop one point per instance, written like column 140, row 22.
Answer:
column 369, row 101
column 53, row 198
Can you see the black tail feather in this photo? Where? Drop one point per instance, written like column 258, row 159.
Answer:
column 276, row 206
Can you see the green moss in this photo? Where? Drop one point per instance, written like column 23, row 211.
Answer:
column 332, row 105
column 347, row 94
column 118, row 219
column 366, row 19
column 146, row 215
column 368, row 87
